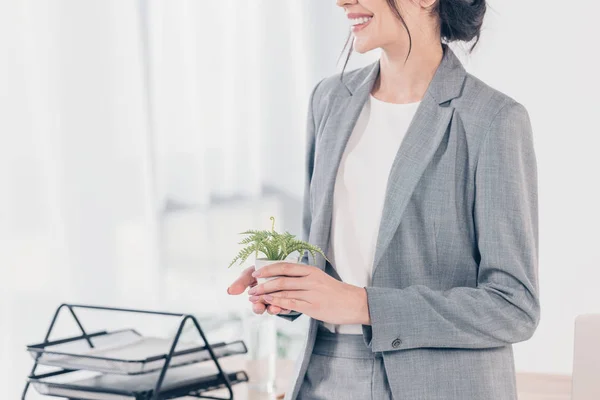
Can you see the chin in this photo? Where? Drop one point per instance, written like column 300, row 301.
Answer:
column 362, row 47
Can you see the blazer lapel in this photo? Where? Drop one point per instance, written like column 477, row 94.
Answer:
column 427, row 128
column 421, row 140
column 346, row 109
column 416, row 150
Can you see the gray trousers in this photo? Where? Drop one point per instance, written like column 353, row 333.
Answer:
column 342, row 367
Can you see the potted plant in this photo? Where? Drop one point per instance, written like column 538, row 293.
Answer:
column 261, row 332
column 275, row 247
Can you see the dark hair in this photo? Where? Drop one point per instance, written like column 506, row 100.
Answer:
column 460, row 20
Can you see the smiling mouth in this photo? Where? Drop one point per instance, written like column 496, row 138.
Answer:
column 359, row 20
column 356, row 24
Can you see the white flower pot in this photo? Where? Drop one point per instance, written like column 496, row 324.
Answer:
column 262, row 262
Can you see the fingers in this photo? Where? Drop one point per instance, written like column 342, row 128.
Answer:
column 288, row 303
column 273, row 310
column 286, row 294
column 258, row 308
column 245, row 280
column 279, row 284
column 283, row 268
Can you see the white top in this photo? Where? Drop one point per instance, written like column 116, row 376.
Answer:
column 360, row 189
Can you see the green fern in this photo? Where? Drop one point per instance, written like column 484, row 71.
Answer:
column 274, row 245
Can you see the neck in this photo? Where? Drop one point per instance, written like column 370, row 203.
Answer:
column 400, row 82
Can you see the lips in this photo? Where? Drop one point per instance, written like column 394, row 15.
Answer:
column 359, row 24
column 359, row 20
column 358, row 15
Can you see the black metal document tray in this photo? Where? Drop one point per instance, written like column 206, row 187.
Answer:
column 126, row 365
column 84, row 385
column 125, row 352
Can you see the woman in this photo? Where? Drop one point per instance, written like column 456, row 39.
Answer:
column 422, row 188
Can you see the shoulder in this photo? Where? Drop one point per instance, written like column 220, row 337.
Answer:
column 478, row 101
column 482, row 106
column 334, row 86
column 492, row 121
column 338, row 83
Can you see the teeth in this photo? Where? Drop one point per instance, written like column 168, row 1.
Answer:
column 360, row 20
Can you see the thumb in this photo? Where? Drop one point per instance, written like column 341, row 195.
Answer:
column 245, row 280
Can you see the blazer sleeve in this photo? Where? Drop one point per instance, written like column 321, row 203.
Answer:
column 504, row 306
column 309, row 164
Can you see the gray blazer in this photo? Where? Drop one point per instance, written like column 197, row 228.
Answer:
column 455, row 271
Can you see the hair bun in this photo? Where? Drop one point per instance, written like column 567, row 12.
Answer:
column 461, row 19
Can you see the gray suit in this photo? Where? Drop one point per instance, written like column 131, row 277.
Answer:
column 455, row 272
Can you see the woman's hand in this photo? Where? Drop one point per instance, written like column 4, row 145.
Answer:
column 247, row 280
column 311, row 291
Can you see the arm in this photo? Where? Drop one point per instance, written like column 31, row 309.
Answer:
column 504, row 307
column 309, row 161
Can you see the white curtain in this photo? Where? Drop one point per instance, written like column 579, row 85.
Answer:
column 114, row 111
column 230, row 81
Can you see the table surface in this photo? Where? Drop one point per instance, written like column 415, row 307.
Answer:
column 530, row 386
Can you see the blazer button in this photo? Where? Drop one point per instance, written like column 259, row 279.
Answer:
column 396, row 343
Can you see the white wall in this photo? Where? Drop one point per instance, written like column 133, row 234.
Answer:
column 545, row 55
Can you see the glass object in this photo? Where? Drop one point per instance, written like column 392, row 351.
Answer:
column 260, row 336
